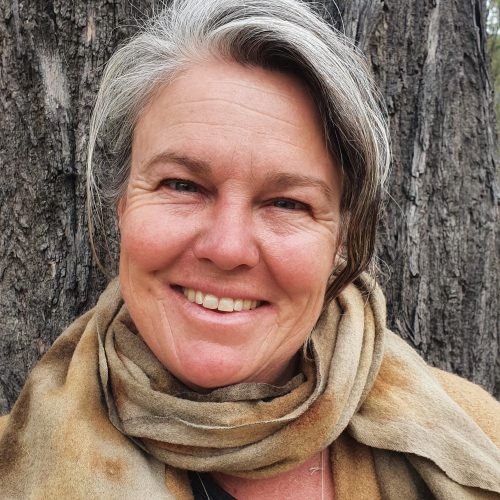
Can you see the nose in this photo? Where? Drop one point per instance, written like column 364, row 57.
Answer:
column 227, row 238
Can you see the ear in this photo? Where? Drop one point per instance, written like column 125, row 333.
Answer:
column 336, row 263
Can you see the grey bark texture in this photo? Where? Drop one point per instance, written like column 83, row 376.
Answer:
column 437, row 241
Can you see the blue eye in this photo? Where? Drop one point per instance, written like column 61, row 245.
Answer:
column 179, row 185
column 289, row 204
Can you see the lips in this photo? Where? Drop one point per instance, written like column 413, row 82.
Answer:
column 224, row 304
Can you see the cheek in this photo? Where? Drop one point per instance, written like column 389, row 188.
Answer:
column 151, row 239
column 302, row 265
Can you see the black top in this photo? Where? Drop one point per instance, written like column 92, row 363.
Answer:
column 205, row 488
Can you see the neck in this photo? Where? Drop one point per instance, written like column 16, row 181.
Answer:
column 311, row 479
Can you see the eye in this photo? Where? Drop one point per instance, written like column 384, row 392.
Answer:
column 181, row 185
column 287, row 204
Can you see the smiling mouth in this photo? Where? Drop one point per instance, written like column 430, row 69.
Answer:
column 220, row 304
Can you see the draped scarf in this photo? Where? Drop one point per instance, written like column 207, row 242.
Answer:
column 100, row 417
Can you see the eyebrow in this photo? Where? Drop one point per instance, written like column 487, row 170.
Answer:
column 284, row 180
column 279, row 180
column 194, row 165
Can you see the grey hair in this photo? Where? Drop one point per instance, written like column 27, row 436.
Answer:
column 284, row 35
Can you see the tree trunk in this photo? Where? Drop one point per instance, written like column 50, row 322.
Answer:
column 437, row 243
column 438, row 238
column 52, row 55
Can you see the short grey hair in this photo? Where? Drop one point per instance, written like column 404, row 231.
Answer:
column 284, row 35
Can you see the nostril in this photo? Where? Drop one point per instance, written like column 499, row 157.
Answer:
column 227, row 248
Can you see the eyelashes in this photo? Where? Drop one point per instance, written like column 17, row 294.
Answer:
column 290, row 204
column 181, row 185
column 186, row 186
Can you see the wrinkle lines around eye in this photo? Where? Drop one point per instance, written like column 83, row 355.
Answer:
column 142, row 181
column 158, row 199
column 289, row 223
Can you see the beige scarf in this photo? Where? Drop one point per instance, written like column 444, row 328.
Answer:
column 99, row 417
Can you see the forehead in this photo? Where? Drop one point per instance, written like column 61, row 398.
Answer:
column 223, row 111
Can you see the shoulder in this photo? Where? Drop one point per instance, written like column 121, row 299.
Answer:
column 483, row 408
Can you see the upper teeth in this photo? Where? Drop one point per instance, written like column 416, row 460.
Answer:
column 225, row 304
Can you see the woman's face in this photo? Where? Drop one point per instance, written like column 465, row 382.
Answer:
column 232, row 201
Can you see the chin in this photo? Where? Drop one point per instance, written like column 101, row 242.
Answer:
column 210, row 367
column 210, row 377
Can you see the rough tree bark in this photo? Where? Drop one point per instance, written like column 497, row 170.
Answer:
column 438, row 237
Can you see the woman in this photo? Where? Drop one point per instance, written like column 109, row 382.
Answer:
column 241, row 353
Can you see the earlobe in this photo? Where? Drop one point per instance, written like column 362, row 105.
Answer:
column 338, row 257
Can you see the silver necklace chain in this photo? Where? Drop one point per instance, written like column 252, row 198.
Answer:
column 313, row 469
column 203, row 484
column 322, row 468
